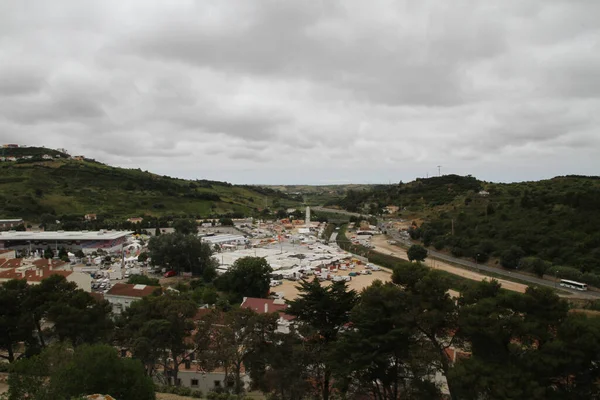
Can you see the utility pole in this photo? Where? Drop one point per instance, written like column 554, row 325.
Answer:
column 452, row 226
column 439, row 170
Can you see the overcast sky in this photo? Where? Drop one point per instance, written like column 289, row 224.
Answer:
column 315, row 92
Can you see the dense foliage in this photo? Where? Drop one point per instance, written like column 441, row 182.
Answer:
column 73, row 315
column 182, row 253
column 75, row 188
column 417, row 195
column 247, row 277
column 553, row 220
column 61, row 373
column 392, row 341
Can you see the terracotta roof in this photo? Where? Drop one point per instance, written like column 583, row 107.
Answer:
column 12, row 263
column 262, row 306
column 42, row 262
column 33, row 274
column 2, row 251
column 128, row 290
column 2, row 261
column 265, row 306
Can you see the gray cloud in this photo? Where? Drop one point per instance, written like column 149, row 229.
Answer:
column 309, row 92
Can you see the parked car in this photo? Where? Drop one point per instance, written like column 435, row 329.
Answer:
column 170, row 273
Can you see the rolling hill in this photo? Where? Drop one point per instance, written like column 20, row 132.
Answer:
column 555, row 221
column 30, row 188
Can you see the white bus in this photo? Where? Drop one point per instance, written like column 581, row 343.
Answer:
column 573, row 284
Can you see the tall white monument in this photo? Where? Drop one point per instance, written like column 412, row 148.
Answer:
column 307, row 221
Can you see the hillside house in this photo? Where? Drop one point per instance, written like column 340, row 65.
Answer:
column 47, row 157
column 90, row 217
column 391, row 209
column 484, row 193
column 135, row 220
column 121, row 295
column 266, row 306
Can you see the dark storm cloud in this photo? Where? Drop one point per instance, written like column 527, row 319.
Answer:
column 309, row 91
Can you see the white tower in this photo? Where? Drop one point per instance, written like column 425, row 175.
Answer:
column 307, row 221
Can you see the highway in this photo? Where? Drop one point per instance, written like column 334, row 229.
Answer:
column 498, row 271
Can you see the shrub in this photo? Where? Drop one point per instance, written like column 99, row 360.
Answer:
column 566, row 273
column 591, row 279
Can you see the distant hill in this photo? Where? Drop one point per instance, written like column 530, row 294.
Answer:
column 416, row 195
column 34, row 187
column 555, row 220
column 319, row 194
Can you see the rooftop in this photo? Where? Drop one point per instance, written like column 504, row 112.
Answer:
column 129, row 290
column 263, row 306
column 32, row 274
column 64, row 235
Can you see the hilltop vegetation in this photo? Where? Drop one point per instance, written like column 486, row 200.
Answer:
column 556, row 221
column 68, row 187
column 417, row 195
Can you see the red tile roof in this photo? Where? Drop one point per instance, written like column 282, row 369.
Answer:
column 12, row 263
column 2, row 261
column 2, row 251
column 33, row 274
column 262, row 306
column 265, row 306
column 128, row 290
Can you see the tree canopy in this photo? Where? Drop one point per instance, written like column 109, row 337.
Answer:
column 182, row 253
column 417, row 253
column 247, row 277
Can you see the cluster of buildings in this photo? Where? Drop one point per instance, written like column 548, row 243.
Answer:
column 35, row 270
column 32, row 243
column 29, row 157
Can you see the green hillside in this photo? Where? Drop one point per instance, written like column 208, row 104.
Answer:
column 418, row 195
column 29, row 189
column 554, row 220
column 317, row 195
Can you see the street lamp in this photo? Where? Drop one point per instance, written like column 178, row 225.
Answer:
column 477, row 261
column 555, row 278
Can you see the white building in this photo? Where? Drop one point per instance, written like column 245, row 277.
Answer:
column 121, row 295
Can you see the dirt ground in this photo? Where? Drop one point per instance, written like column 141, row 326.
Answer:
column 381, row 245
column 170, row 396
column 357, row 283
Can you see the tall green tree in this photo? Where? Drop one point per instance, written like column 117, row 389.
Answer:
column 186, row 226
column 233, row 340
column 521, row 348
column 384, row 356
column 157, row 329
column 247, row 277
column 63, row 373
column 16, row 325
column 182, row 253
column 322, row 312
column 416, row 253
column 433, row 312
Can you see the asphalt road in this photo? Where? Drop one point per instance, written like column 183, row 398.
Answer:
column 335, row 210
column 509, row 274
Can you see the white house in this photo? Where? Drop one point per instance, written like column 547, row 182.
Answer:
column 266, row 306
column 121, row 295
